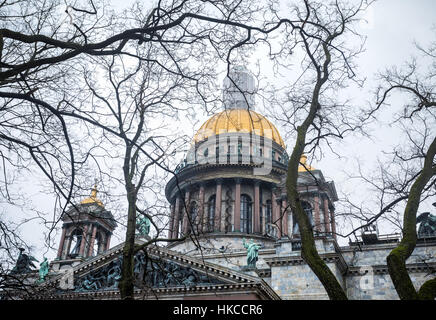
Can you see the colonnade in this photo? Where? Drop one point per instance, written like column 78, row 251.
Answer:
column 180, row 208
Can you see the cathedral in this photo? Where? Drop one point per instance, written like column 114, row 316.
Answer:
column 232, row 233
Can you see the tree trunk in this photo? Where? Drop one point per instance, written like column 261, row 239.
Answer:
column 308, row 250
column 396, row 260
column 126, row 284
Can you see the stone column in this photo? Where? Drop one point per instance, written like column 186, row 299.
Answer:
column 171, row 222
column 91, row 244
column 256, row 220
column 218, row 205
column 175, row 225
column 202, row 218
column 108, row 241
column 326, row 216
column 317, row 218
column 237, row 211
column 61, row 243
column 186, row 223
column 83, row 242
column 332, row 220
column 67, row 247
column 285, row 217
column 275, row 211
column 102, row 244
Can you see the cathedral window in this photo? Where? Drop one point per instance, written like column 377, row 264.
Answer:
column 268, row 216
column 246, row 214
column 211, row 213
column 76, row 240
column 308, row 210
column 97, row 245
column 193, row 213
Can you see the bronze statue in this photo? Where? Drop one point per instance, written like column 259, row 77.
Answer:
column 252, row 252
column 143, row 225
column 427, row 227
column 43, row 270
column 24, row 263
column 114, row 274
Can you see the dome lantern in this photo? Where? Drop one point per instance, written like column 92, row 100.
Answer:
column 239, row 89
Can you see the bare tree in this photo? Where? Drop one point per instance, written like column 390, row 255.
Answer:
column 405, row 179
column 311, row 107
column 45, row 59
column 416, row 161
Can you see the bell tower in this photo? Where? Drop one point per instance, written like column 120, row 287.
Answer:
column 318, row 197
column 86, row 231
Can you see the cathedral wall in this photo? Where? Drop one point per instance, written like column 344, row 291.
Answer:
column 299, row 282
column 368, row 277
column 248, row 190
column 208, row 192
column 376, row 254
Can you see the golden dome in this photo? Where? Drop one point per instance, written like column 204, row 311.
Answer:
column 239, row 120
column 93, row 198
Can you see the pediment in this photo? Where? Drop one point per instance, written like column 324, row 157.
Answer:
column 155, row 268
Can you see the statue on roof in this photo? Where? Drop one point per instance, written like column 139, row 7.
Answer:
column 43, row 270
column 143, row 225
column 24, row 263
column 252, row 252
column 427, row 227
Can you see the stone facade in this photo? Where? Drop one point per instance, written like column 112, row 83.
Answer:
column 221, row 197
column 360, row 269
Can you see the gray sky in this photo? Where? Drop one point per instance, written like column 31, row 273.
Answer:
column 393, row 26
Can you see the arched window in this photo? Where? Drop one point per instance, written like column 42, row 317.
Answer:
column 246, row 214
column 76, row 240
column 193, row 213
column 268, row 216
column 97, row 245
column 211, row 213
column 308, row 209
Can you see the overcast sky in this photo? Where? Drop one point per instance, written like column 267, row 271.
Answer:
column 393, row 26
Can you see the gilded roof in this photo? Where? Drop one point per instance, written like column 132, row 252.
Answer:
column 239, row 120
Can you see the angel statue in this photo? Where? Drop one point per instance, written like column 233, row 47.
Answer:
column 252, row 252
